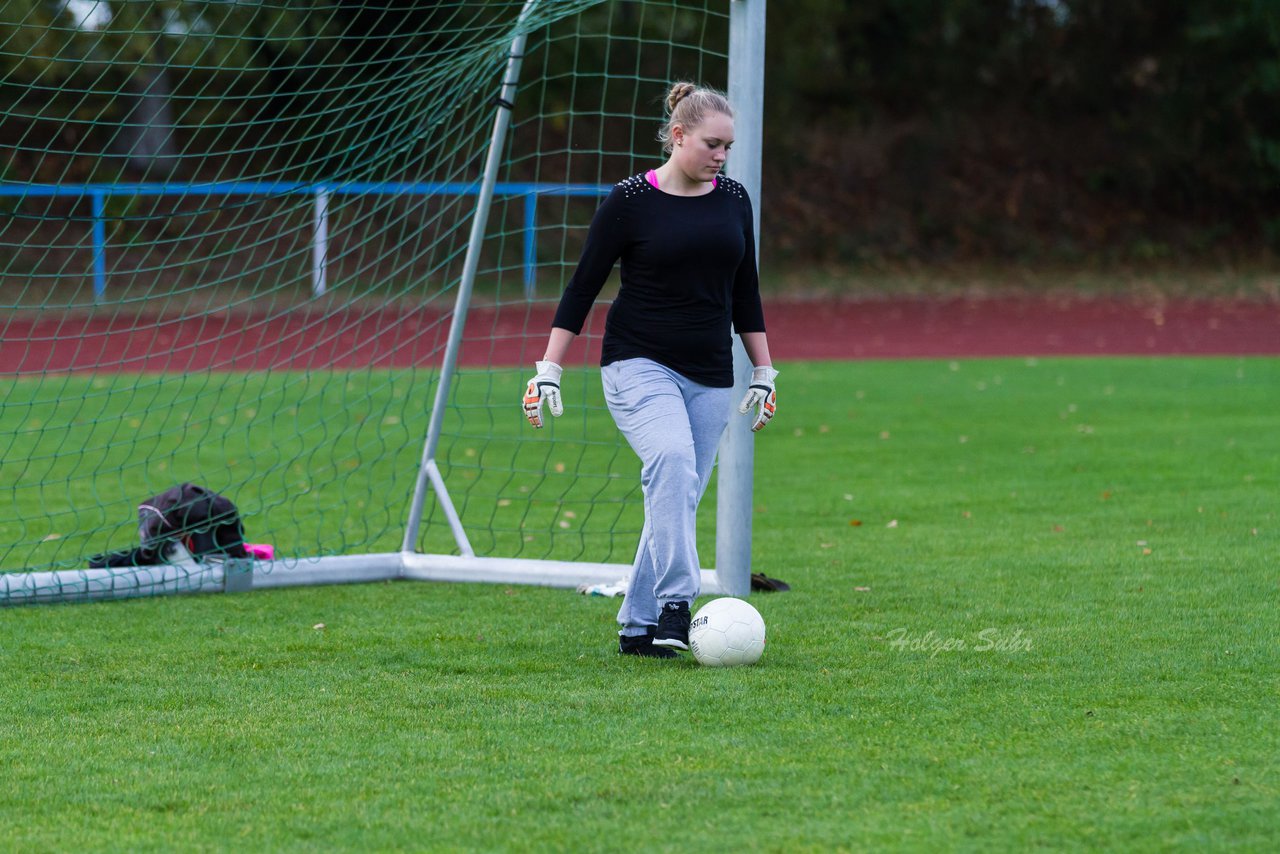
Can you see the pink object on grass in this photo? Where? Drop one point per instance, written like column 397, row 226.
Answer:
column 260, row 551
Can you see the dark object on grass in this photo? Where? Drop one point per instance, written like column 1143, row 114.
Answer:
column 760, row 581
column 203, row 521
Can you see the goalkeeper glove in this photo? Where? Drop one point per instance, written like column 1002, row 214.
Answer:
column 544, row 387
column 760, row 394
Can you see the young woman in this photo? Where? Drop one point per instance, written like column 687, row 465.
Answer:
column 685, row 237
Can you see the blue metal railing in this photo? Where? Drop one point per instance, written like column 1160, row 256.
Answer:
column 320, row 192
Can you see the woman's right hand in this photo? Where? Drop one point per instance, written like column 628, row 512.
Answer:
column 544, row 387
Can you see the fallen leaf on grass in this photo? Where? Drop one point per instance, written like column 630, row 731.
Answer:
column 855, row 523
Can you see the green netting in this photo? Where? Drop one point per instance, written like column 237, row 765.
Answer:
column 231, row 236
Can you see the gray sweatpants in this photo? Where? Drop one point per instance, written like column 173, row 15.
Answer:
column 674, row 426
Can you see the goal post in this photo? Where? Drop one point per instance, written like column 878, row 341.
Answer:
column 736, row 457
column 337, row 339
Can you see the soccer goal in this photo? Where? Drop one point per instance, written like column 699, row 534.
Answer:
column 305, row 256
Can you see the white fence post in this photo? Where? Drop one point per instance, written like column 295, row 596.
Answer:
column 320, row 242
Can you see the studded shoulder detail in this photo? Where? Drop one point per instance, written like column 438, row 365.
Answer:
column 732, row 187
column 634, row 185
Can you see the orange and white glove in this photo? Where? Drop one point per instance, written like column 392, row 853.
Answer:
column 761, row 395
column 543, row 388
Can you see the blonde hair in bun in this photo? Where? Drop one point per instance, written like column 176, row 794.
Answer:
column 678, row 93
column 688, row 105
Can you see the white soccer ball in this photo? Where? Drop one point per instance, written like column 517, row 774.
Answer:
column 726, row 632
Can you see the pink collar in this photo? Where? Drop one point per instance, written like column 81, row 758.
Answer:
column 652, row 177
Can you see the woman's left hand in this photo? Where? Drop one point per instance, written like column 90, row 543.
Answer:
column 762, row 395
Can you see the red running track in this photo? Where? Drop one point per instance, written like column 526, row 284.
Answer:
column 515, row 335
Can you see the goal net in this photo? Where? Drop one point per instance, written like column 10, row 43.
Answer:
column 305, row 255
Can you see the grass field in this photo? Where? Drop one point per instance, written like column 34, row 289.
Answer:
column 1033, row 605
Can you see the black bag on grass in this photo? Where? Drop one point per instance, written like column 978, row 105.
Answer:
column 203, row 521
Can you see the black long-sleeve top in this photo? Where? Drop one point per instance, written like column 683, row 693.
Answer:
column 688, row 271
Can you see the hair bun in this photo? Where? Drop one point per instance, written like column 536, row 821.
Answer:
column 678, row 93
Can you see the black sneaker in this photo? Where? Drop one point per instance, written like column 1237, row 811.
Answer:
column 642, row 645
column 673, row 626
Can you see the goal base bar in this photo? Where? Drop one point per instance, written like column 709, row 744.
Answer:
column 189, row 576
